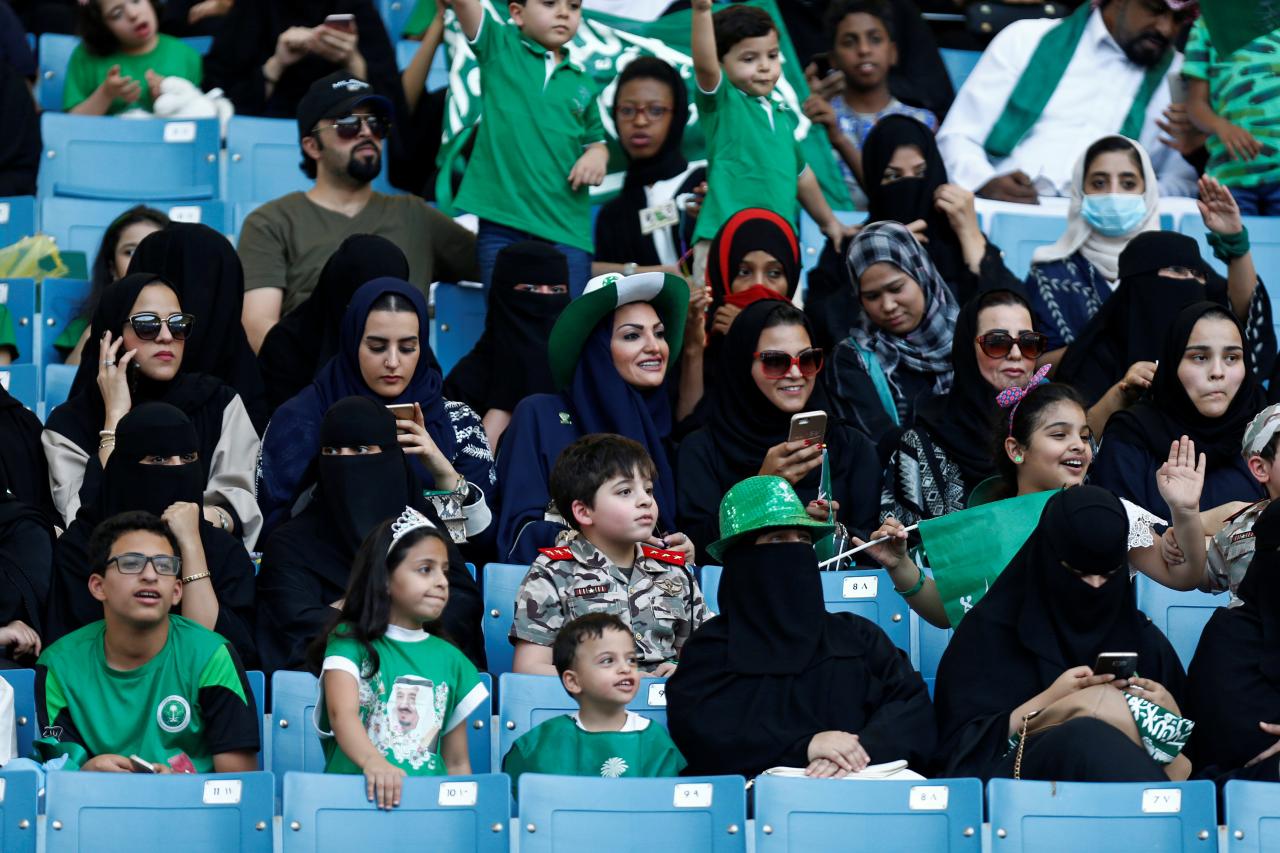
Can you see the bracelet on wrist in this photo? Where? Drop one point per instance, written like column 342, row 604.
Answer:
column 907, row 593
column 1228, row 247
column 197, row 577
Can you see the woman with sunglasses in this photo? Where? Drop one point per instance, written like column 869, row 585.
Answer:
column 899, row 349
column 139, row 339
column 768, row 373
column 156, row 467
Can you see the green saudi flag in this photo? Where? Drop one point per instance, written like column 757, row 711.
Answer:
column 1234, row 23
column 967, row 550
column 603, row 46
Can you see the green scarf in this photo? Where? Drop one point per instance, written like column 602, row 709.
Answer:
column 1043, row 73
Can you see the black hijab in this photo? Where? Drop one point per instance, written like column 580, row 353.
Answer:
column 747, row 231
column 1168, row 412
column 509, row 362
column 209, row 280
column 299, row 345
column 908, row 199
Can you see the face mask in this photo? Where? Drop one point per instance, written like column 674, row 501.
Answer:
column 754, row 293
column 1114, row 214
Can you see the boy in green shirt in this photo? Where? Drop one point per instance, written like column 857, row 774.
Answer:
column 595, row 658
column 541, row 142
column 142, row 683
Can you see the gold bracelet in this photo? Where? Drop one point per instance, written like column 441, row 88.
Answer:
column 198, row 577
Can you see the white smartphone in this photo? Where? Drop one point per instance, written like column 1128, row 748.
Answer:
column 808, row 426
column 1177, row 88
column 345, row 22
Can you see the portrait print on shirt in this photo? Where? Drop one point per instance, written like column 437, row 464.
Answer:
column 408, row 725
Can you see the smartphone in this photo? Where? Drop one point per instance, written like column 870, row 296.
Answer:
column 1177, row 88
column 808, row 426
column 1123, row 665
column 141, row 765
column 402, row 411
column 822, row 61
column 345, row 22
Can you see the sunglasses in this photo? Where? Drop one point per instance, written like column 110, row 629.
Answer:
column 998, row 344
column 147, row 325
column 133, row 563
column 348, row 127
column 776, row 364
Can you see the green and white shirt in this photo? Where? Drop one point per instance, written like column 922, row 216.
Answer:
column 190, row 698
column 424, row 688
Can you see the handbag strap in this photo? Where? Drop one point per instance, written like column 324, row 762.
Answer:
column 1022, row 742
column 880, row 382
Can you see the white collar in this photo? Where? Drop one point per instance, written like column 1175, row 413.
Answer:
column 405, row 635
column 634, row 723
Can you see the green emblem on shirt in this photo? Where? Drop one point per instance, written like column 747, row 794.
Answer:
column 173, row 714
column 565, row 419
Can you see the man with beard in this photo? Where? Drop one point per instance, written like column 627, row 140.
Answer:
column 284, row 244
column 1045, row 89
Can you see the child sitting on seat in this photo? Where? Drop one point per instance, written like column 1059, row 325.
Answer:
column 595, row 657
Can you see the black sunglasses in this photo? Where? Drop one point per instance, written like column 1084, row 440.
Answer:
column 348, row 127
column 147, row 325
column 998, row 344
column 775, row 364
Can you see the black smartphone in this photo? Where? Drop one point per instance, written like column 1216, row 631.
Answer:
column 1123, row 665
column 823, row 63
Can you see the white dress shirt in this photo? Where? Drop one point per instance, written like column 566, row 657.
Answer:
column 1093, row 98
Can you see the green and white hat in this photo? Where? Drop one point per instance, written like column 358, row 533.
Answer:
column 1261, row 430
column 667, row 293
column 762, row 503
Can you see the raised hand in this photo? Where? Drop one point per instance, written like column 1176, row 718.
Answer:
column 1180, row 479
column 1218, row 207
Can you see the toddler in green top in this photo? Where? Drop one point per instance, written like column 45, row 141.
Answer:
column 123, row 58
column 595, row 658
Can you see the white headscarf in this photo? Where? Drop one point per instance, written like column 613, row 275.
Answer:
column 1102, row 251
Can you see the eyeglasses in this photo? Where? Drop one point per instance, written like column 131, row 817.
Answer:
column 998, row 344
column 147, row 325
column 348, row 127
column 133, row 563
column 651, row 111
column 777, row 364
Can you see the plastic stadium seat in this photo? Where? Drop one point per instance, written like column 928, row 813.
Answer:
column 459, row 322
column 1181, row 615
column 394, row 14
column 437, row 74
column 263, row 160
column 869, row 593
column 332, row 814
column 1252, row 816
column 1018, row 235
column 54, row 54
column 57, row 385
column 19, row 296
column 78, row 224
column 19, row 807
column 128, row 812
column 959, row 64
column 258, row 686
column 17, row 219
column 111, row 158
column 525, row 701
column 940, row 815
column 1264, row 240
column 1102, row 817
column 572, row 814
column 812, row 239
column 710, row 585
column 501, row 583
column 61, row 300
column 23, row 382
column 23, row 682
column 932, row 643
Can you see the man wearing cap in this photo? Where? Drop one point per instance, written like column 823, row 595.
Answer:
column 1044, row 90
column 342, row 126
column 777, row 681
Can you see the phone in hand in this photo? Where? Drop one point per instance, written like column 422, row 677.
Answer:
column 345, row 22
column 1123, row 665
column 822, row 61
column 1177, row 88
column 141, row 765
column 808, row 426
column 402, row 411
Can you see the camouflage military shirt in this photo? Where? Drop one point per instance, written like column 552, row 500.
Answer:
column 1231, row 551
column 657, row 597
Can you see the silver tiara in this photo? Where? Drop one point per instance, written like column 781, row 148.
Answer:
column 409, row 520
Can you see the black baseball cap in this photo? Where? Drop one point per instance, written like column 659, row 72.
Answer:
column 335, row 96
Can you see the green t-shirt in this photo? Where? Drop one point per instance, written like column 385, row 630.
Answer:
column 424, row 688
column 753, row 158
column 169, row 58
column 641, row 749
column 8, row 338
column 1244, row 89
column 540, row 113
column 192, row 697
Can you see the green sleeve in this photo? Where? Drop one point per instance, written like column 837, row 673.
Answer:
column 194, row 63
column 343, row 647
column 490, row 40
column 667, row 760
column 7, row 336
column 79, row 82
column 221, row 671
column 594, row 130
column 60, row 736
column 1198, row 54
column 70, row 336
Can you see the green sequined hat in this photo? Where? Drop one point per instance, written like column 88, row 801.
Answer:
column 762, row 503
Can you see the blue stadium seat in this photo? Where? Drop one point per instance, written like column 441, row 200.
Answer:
column 1252, row 816
column 17, row 218
column 437, row 75
column 23, row 382
column 263, row 160
column 111, row 158
column 23, row 682
column 57, row 385
column 258, row 686
column 501, row 582
column 459, row 322
column 19, row 807
column 127, row 812
column 940, row 815
column 932, row 643
column 405, row 50
column 394, row 14
column 19, row 296
column 812, row 239
column 1020, row 234
column 1264, row 240
column 60, row 302
column 54, row 54
column 332, row 814
column 571, row 814
column 960, row 64
column 78, row 224
column 525, row 701
column 869, row 593
column 1117, row 817
column 710, row 585
column 1181, row 615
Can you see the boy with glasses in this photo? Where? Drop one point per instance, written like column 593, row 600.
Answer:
column 143, row 690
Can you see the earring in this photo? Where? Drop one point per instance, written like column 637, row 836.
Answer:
column 1017, row 460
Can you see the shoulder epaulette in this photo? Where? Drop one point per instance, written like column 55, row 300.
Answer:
column 557, row 553
column 674, row 558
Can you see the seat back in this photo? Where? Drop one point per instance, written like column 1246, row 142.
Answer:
column 54, row 52
column 263, row 161
column 23, row 682
column 17, row 218
column 61, row 303
column 1182, row 615
column 57, row 385
column 1252, row 816
column 959, row 64
column 869, row 593
column 258, row 686
column 932, row 642
column 77, row 224
column 19, row 296
column 1102, row 817
column 884, row 816
column 19, row 808
column 710, row 585
column 23, row 382
column 328, row 813
column 1018, row 235
column 127, row 812
column 501, row 582
column 701, row 814
column 395, row 13
column 460, row 314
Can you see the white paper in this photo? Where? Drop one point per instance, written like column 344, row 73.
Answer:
column 4, row 212
column 458, row 793
column 222, row 792
column 180, row 131
column 860, row 586
column 658, row 695
column 1161, row 801
column 693, row 795
column 189, row 213
column 928, row 797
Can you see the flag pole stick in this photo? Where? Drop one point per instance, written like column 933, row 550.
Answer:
column 838, row 557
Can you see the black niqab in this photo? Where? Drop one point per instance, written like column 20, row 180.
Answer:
column 771, row 599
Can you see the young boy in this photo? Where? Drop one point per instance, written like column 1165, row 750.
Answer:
column 541, row 143
column 1236, row 99
column 595, row 658
column 603, row 486
column 142, row 681
column 863, row 50
column 755, row 159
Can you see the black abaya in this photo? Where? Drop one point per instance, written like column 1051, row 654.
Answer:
column 23, row 470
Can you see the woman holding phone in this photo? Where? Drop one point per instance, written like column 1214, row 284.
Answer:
column 768, row 375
